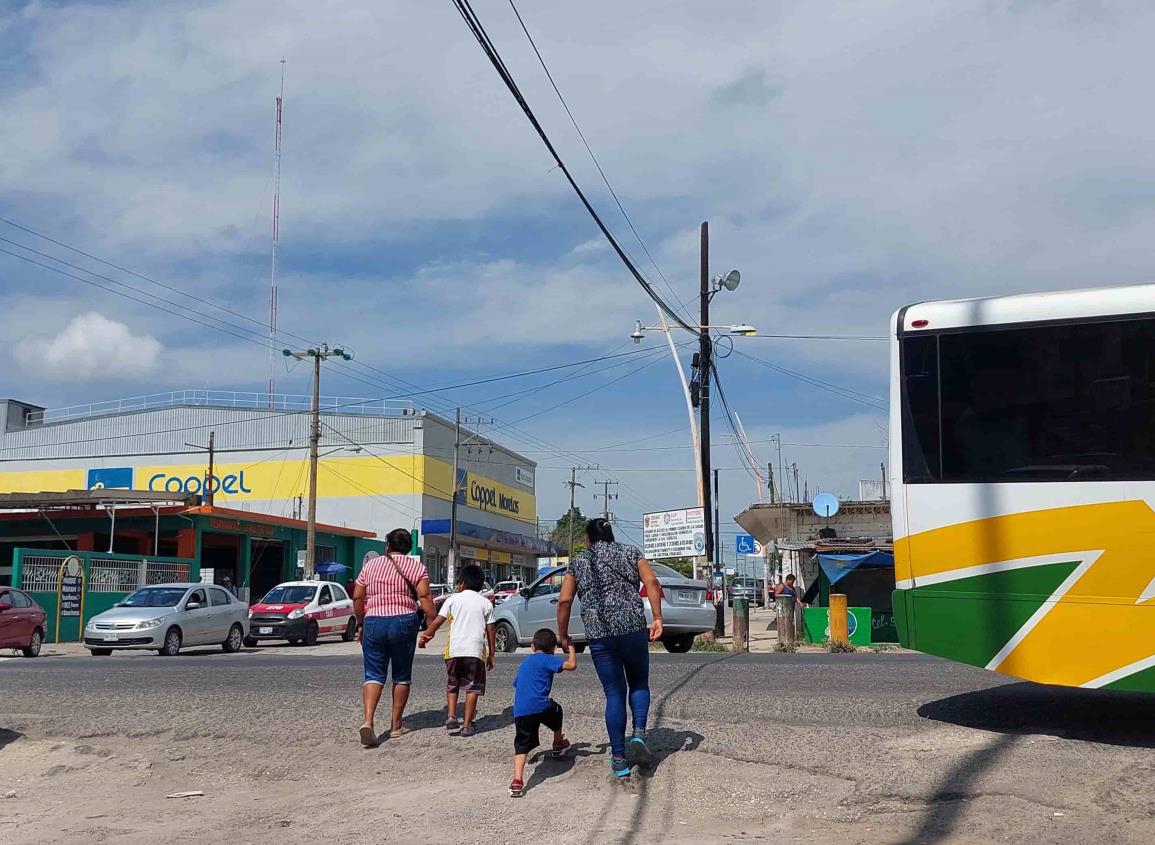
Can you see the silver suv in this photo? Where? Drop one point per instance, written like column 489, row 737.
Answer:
column 685, row 611
column 168, row 617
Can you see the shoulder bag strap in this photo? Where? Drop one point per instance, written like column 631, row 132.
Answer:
column 404, row 577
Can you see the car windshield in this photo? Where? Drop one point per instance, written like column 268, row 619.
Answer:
column 301, row 594
column 154, row 597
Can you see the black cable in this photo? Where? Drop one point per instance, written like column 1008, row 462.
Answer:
column 474, row 23
column 594, row 158
column 846, row 393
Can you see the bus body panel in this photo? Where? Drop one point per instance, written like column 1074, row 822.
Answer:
column 1052, row 581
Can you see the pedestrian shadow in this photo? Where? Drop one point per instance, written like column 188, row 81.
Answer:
column 549, row 766
column 8, row 737
column 494, row 721
column 1102, row 716
column 664, row 742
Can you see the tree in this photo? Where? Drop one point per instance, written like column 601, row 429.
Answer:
column 683, row 565
column 560, row 534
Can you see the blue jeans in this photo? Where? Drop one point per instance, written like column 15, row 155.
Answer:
column 389, row 640
column 623, row 663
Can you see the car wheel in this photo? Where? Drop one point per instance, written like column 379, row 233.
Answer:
column 234, row 640
column 172, row 641
column 294, row 640
column 679, row 645
column 33, row 649
column 579, row 647
column 100, row 652
column 250, row 642
column 506, row 639
column 311, row 634
column 350, row 631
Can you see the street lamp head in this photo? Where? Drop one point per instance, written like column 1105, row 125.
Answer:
column 637, row 334
column 730, row 280
column 744, row 330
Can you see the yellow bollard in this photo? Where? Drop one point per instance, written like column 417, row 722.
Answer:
column 839, row 623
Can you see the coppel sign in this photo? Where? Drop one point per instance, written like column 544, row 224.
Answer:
column 488, row 496
column 232, row 483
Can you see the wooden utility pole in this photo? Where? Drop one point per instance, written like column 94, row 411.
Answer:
column 318, row 355
column 451, row 567
column 705, row 347
column 573, row 484
column 606, row 495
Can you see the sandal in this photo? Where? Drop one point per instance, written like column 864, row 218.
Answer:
column 399, row 732
column 369, row 737
column 467, row 730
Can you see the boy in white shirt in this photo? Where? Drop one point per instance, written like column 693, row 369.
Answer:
column 467, row 656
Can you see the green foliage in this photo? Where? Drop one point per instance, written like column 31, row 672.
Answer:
column 712, row 645
column 786, row 647
column 835, row 647
column 560, row 535
column 684, row 565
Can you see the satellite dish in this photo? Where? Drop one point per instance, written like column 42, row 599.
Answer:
column 825, row 504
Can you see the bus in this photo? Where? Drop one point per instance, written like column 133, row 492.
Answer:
column 1023, row 469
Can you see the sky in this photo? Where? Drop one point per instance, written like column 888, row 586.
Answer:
column 850, row 158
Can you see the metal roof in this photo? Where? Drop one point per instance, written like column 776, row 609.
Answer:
column 91, row 499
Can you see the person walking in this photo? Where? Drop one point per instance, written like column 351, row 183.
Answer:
column 386, row 598
column 605, row 577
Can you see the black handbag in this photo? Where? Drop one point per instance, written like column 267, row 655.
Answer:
column 422, row 622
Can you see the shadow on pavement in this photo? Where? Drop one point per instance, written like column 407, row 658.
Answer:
column 8, row 737
column 549, row 766
column 957, row 786
column 665, row 741
column 1103, row 716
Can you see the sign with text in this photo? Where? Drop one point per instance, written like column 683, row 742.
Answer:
column 680, row 533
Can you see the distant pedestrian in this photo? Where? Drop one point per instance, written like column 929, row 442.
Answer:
column 385, row 601
column 227, row 583
column 533, row 704
column 606, row 577
column 469, row 648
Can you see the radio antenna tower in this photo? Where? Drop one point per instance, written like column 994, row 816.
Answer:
column 276, row 243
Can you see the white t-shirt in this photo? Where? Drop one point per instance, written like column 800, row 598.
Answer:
column 467, row 613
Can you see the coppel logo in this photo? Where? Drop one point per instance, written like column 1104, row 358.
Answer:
column 231, row 483
column 112, row 478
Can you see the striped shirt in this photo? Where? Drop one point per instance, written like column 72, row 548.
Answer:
column 386, row 593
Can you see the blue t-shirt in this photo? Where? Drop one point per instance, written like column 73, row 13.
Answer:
column 533, row 682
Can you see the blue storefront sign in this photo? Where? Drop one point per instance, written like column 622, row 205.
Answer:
column 111, row 478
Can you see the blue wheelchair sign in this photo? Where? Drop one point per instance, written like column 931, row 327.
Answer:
column 747, row 545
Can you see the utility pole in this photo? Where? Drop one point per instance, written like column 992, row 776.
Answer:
column 720, row 607
column 207, row 489
column 318, row 354
column 451, row 567
column 573, row 484
column 606, row 495
column 705, row 347
column 773, row 491
column 883, row 465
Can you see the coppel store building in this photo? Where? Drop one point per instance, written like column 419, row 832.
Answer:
column 383, row 466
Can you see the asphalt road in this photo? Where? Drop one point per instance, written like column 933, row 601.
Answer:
column 862, row 747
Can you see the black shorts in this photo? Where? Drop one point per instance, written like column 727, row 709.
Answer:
column 465, row 674
column 526, row 739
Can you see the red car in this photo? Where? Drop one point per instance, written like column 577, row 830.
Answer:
column 21, row 622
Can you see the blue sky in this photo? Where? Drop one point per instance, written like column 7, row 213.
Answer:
column 850, row 158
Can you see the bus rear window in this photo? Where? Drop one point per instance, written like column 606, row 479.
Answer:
column 1071, row 402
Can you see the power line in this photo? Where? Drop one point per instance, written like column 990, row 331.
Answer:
column 845, row 392
column 594, row 158
column 474, row 23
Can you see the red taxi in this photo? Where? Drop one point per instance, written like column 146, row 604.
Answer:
column 301, row 612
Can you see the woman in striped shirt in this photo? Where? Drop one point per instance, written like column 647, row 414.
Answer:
column 385, row 600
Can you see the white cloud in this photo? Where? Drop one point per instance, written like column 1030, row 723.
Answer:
column 90, row 348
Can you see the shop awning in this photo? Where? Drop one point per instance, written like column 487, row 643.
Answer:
column 837, row 567
column 504, row 540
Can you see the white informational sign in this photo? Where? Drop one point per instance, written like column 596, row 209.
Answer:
column 524, row 476
column 680, row 533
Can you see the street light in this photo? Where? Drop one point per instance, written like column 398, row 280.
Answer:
column 741, row 329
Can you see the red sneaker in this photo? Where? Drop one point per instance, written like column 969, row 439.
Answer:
column 516, row 788
column 559, row 748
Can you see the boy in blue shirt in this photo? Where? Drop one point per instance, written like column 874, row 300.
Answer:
column 532, row 705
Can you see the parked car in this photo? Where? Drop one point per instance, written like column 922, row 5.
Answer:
column 169, row 617
column 302, row 611
column 22, row 622
column 747, row 588
column 685, row 611
column 506, row 589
